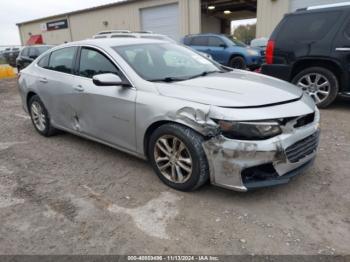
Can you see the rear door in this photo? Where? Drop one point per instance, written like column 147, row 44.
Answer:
column 56, row 84
column 341, row 50
column 104, row 112
column 199, row 43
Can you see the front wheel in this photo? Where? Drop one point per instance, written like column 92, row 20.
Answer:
column 177, row 156
column 238, row 62
column 320, row 83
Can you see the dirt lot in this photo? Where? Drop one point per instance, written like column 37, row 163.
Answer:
column 67, row 195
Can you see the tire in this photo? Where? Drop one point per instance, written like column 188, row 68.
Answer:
column 238, row 62
column 41, row 123
column 193, row 150
column 332, row 88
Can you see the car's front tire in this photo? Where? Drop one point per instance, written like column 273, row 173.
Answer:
column 177, row 156
column 40, row 117
column 238, row 62
column 320, row 83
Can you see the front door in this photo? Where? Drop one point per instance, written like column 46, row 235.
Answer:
column 216, row 47
column 104, row 112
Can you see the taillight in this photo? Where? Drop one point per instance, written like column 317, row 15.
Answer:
column 270, row 49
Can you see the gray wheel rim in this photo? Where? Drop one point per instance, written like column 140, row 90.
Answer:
column 38, row 116
column 316, row 85
column 173, row 159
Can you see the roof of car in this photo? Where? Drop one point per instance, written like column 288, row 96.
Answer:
column 206, row 34
column 111, row 42
column 323, row 8
column 36, row 45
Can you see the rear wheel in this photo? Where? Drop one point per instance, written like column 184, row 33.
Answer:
column 238, row 62
column 40, row 117
column 177, row 156
column 320, row 83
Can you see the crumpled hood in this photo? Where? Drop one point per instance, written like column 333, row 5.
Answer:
column 233, row 89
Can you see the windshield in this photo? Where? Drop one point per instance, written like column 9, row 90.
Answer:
column 165, row 62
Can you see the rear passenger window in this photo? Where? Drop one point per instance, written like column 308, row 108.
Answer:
column 307, row 27
column 200, row 41
column 215, row 41
column 94, row 63
column 62, row 60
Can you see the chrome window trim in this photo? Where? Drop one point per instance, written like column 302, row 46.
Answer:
column 92, row 47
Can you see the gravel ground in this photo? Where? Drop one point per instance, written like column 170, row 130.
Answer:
column 68, row 195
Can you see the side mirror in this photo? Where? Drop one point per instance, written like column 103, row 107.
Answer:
column 223, row 46
column 33, row 57
column 108, row 80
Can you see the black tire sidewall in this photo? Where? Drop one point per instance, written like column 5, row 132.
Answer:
column 240, row 60
column 47, row 130
column 331, row 77
column 193, row 141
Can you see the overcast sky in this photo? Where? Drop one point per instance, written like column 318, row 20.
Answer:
column 15, row 11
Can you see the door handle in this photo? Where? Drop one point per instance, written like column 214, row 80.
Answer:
column 79, row 88
column 43, row 80
column 343, row 49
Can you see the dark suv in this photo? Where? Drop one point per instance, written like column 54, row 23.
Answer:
column 10, row 55
column 311, row 48
column 29, row 54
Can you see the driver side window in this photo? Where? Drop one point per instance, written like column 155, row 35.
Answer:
column 94, row 63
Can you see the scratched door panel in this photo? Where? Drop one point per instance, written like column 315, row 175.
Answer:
column 107, row 113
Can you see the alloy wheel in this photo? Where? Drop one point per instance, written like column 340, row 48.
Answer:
column 173, row 159
column 316, row 85
column 38, row 116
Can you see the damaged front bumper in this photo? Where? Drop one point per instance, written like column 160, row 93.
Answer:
column 244, row 165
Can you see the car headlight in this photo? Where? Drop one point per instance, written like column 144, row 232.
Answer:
column 249, row 130
column 253, row 52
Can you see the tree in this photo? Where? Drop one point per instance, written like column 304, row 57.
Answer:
column 245, row 33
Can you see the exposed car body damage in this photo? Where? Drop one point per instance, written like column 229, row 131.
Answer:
column 126, row 114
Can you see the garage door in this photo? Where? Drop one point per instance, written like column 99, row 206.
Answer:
column 161, row 20
column 296, row 4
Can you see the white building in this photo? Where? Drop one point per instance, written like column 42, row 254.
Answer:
column 175, row 18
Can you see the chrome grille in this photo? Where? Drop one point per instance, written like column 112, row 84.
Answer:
column 302, row 148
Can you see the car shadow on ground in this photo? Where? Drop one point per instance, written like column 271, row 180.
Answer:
column 339, row 103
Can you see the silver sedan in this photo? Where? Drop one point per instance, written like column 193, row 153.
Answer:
column 194, row 120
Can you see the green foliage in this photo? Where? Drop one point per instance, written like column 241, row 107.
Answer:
column 245, row 33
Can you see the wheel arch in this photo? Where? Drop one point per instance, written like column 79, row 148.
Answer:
column 151, row 128
column 233, row 55
column 329, row 64
column 29, row 96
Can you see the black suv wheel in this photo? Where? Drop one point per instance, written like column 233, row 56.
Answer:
column 320, row 83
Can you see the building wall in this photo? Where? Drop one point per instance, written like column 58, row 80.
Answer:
column 125, row 16
column 49, row 37
column 269, row 14
column 210, row 24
